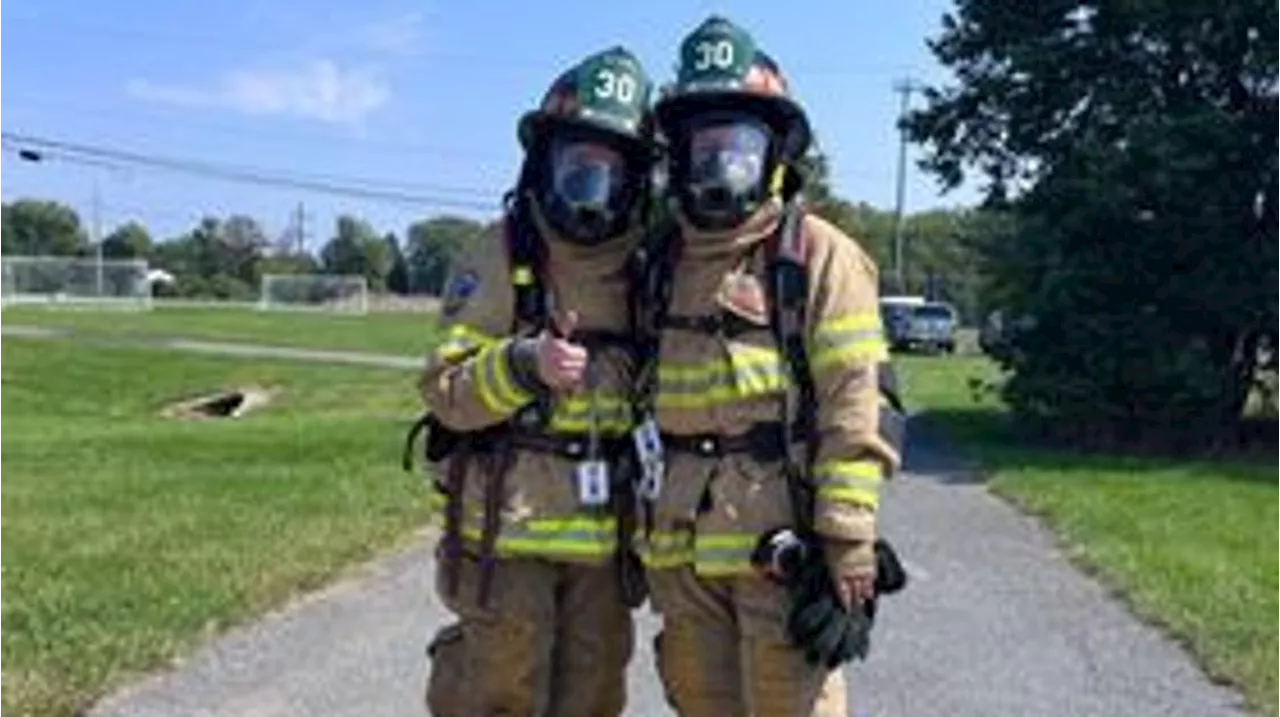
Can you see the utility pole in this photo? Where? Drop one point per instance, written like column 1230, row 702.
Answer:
column 904, row 88
column 300, row 227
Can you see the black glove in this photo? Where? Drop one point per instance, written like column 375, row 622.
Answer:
column 819, row 625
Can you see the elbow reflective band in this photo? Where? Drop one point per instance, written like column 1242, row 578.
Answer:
column 750, row 371
column 461, row 340
column 856, row 482
column 853, row 338
column 498, row 389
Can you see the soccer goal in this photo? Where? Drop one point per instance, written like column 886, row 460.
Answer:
column 344, row 293
column 75, row 282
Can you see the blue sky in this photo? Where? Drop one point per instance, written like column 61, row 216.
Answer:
column 422, row 94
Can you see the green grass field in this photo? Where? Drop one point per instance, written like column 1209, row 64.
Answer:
column 404, row 333
column 1190, row 545
column 129, row 537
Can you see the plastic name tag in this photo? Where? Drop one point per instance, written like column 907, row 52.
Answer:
column 649, row 451
column 593, row 482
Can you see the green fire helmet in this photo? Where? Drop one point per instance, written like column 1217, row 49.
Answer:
column 608, row 91
column 721, row 68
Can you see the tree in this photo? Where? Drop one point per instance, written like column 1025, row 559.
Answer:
column 398, row 278
column 34, row 227
column 433, row 245
column 130, row 240
column 215, row 259
column 8, row 240
column 357, row 249
column 238, row 249
column 1134, row 147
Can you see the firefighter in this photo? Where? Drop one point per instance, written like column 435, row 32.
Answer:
column 529, row 409
column 746, row 451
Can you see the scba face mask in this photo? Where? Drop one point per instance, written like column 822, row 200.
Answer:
column 590, row 188
column 723, row 162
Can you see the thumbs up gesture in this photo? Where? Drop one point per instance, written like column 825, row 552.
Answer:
column 561, row 363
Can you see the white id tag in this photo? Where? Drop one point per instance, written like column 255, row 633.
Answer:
column 649, row 451
column 651, row 480
column 648, row 441
column 593, row 482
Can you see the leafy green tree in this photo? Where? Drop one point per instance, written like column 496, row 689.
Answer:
column 398, row 277
column 34, row 227
column 357, row 249
column 1134, row 148
column 130, row 240
column 433, row 244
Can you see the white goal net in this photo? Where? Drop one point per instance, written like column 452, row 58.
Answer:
column 346, row 293
column 75, row 281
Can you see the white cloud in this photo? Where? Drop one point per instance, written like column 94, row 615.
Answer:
column 319, row 90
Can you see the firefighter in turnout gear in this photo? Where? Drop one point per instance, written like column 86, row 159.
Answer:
column 767, row 395
column 529, row 411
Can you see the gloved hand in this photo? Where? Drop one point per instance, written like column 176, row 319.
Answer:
column 827, row 633
column 853, row 570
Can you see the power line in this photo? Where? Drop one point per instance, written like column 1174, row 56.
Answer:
column 354, row 187
column 72, row 149
column 295, row 135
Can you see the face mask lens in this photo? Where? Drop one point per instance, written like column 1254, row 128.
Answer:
column 727, row 160
column 585, row 175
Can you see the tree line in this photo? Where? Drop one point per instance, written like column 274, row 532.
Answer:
column 226, row 257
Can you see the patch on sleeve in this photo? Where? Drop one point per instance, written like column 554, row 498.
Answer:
column 460, row 289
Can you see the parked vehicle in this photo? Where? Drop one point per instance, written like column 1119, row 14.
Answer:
column 932, row 328
column 895, row 315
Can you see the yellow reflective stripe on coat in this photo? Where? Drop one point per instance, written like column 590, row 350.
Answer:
column 747, row 372
column 575, row 536
column 497, row 387
column 711, row 555
column 461, row 340
column 666, row 549
column 856, row 482
column 724, row 554
column 853, row 338
column 572, row 414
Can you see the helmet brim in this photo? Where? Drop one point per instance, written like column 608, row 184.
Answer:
column 781, row 113
column 537, row 124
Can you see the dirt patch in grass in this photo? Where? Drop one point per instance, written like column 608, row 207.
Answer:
column 227, row 403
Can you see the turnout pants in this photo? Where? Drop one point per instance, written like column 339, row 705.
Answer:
column 554, row 642
column 724, row 652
